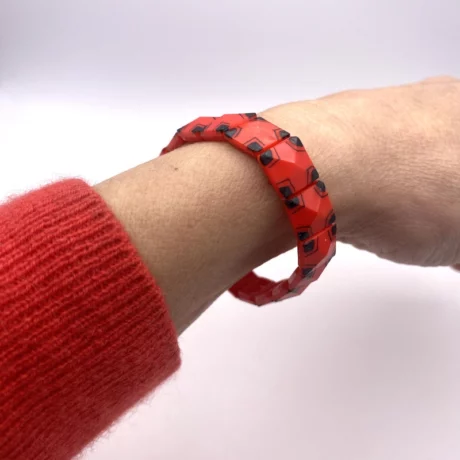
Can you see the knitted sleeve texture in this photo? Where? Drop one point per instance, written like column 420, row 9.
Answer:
column 84, row 330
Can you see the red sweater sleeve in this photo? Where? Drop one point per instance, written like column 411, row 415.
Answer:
column 84, row 330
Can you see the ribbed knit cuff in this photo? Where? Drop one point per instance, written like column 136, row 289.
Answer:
column 84, row 330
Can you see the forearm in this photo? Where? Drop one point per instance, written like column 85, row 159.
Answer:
column 201, row 217
column 204, row 215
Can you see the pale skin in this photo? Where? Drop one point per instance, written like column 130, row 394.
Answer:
column 204, row 215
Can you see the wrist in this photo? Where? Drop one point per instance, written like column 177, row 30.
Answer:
column 205, row 215
column 201, row 218
column 331, row 144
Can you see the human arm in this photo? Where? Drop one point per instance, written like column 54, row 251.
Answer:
column 370, row 147
column 231, row 222
column 388, row 156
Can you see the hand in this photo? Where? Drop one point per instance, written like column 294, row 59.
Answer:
column 391, row 160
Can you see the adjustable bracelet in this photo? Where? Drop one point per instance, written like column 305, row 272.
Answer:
column 290, row 171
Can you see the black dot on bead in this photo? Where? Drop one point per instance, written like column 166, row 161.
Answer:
column 314, row 175
column 260, row 119
column 307, row 272
column 266, row 157
column 283, row 134
column 331, row 220
column 231, row 132
column 302, row 236
column 251, row 115
column 254, row 147
column 296, row 141
column 198, row 129
column 286, row 191
column 334, row 230
column 222, row 128
column 321, row 186
column 292, row 203
column 308, row 247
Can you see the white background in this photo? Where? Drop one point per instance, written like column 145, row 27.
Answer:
column 366, row 365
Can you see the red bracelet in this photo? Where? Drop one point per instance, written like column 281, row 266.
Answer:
column 290, row 170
